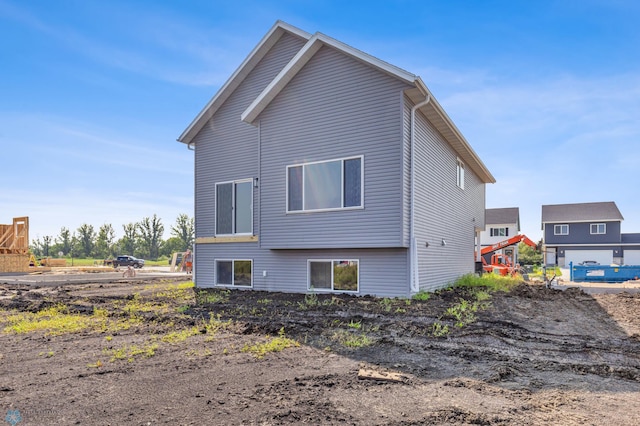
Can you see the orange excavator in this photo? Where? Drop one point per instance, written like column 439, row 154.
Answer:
column 501, row 264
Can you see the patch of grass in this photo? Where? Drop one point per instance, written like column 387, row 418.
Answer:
column 463, row 312
column 130, row 352
column 196, row 353
column 352, row 340
column 421, row 295
column 310, row 301
column 492, row 282
column 180, row 335
column 264, row 301
column 96, row 364
column 182, row 309
column 439, row 329
column 216, row 324
column 212, row 296
column 386, row 304
column 355, row 324
column 179, row 292
column 273, row 344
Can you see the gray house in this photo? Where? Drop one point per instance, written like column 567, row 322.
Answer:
column 587, row 232
column 319, row 167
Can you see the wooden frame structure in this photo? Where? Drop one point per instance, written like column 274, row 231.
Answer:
column 14, row 246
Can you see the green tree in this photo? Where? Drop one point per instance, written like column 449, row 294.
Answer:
column 171, row 246
column 151, row 230
column 529, row 255
column 105, row 241
column 63, row 241
column 86, row 239
column 127, row 243
column 184, row 230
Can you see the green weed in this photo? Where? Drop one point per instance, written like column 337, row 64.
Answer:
column 273, row 344
column 421, row 295
column 355, row 324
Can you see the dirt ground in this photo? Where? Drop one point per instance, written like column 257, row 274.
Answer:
column 160, row 352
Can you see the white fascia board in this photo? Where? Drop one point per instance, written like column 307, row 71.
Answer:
column 258, row 52
column 458, row 142
column 299, row 61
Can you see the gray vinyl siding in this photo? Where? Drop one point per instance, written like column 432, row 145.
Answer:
column 406, row 170
column 443, row 211
column 383, row 272
column 335, row 107
column 226, row 147
column 580, row 233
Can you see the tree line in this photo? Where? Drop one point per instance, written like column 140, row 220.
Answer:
column 141, row 239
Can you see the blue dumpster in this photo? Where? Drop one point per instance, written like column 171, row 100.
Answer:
column 605, row 274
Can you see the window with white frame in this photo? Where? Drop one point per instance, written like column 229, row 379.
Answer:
column 234, row 207
column 325, row 185
column 235, row 273
column 598, row 228
column 499, row 232
column 335, row 275
column 560, row 229
column 460, row 173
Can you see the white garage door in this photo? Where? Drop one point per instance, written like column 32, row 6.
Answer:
column 603, row 257
column 632, row 257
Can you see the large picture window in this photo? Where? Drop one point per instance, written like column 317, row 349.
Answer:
column 325, row 185
column 560, row 229
column 234, row 206
column 335, row 275
column 236, row 273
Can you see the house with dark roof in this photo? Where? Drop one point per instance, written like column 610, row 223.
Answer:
column 321, row 168
column 587, row 232
column 500, row 225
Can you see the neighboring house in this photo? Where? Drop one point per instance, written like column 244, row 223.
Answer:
column 587, row 232
column 321, row 168
column 500, row 225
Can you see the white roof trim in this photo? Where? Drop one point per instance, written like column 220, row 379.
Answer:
column 258, row 52
column 299, row 61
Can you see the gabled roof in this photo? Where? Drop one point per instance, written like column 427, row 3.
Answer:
column 258, row 52
column 417, row 93
column 502, row 216
column 581, row 212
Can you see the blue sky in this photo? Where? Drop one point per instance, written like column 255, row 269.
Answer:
column 93, row 95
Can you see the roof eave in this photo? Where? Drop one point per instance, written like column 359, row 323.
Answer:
column 439, row 118
column 302, row 57
column 258, row 52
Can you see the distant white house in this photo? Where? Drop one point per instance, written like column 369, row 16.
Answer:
column 500, row 225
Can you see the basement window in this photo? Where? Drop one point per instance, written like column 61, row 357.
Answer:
column 333, row 275
column 234, row 273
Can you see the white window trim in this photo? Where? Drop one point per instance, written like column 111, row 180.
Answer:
column 360, row 207
column 460, row 173
column 233, row 201
column 597, row 225
column 331, row 290
column 559, row 226
column 233, row 261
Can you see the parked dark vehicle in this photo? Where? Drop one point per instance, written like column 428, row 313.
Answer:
column 128, row 261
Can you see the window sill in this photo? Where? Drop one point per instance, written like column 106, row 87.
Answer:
column 229, row 239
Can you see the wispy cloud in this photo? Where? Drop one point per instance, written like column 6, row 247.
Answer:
column 159, row 46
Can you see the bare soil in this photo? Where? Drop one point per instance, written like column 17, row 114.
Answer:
column 533, row 356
